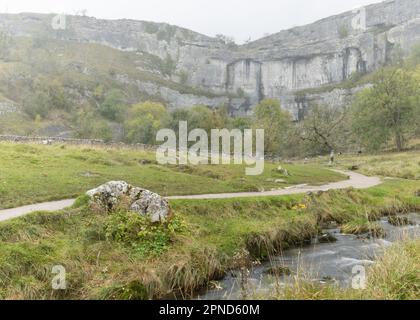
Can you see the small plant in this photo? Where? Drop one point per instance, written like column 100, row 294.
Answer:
column 133, row 230
column 134, row 290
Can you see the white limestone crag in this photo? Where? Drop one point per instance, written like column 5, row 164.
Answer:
column 327, row 52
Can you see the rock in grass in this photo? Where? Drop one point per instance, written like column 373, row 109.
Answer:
column 399, row 221
column 114, row 194
column 327, row 238
column 109, row 194
column 283, row 171
column 280, row 181
column 144, row 162
column 151, row 205
column 327, row 280
column 417, row 193
column 278, row 271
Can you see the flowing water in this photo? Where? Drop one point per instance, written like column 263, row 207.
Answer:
column 329, row 262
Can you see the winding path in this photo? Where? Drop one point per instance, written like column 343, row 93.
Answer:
column 356, row 180
column 46, row 206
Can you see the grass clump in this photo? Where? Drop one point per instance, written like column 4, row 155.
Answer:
column 134, row 290
column 360, row 227
column 81, row 201
column 396, row 275
column 399, row 221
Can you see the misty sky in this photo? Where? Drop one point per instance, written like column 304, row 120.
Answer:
column 241, row 19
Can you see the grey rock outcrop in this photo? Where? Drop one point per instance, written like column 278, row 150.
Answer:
column 7, row 107
column 141, row 201
column 280, row 66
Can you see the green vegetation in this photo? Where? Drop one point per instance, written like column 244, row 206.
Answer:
column 363, row 226
column 58, row 83
column 324, row 129
column 135, row 232
column 39, row 173
column 276, row 124
column 383, row 116
column 119, row 255
column 404, row 165
column 355, row 80
column 64, row 87
column 144, row 121
column 390, row 110
column 107, row 255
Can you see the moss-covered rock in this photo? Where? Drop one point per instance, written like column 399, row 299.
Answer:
column 278, row 271
column 327, row 238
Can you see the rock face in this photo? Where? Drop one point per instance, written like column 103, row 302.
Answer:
column 282, row 66
column 144, row 202
column 7, row 107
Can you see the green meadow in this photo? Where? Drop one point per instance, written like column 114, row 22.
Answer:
column 119, row 255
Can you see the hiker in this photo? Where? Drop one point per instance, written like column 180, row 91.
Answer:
column 332, row 156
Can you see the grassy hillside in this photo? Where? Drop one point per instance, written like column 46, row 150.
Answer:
column 78, row 77
column 40, row 173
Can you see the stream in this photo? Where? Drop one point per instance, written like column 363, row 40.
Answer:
column 322, row 262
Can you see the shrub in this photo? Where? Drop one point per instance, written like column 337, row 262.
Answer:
column 136, row 231
column 134, row 290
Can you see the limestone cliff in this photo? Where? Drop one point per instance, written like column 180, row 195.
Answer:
column 281, row 66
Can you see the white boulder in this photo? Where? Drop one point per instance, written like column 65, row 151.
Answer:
column 142, row 201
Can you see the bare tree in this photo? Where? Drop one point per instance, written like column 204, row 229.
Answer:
column 324, row 128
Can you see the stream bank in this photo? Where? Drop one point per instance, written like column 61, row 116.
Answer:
column 331, row 262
